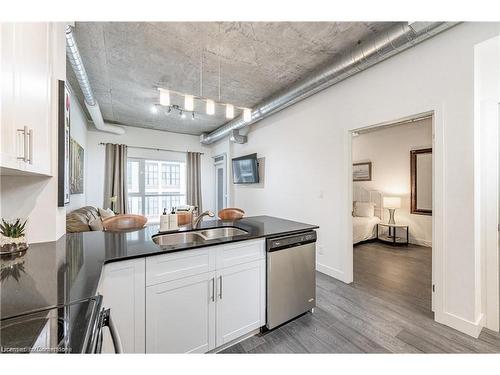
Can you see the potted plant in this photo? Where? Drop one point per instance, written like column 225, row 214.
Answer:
column 12, row 236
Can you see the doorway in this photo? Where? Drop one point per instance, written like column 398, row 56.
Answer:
column 392, row 211
column 220, row 166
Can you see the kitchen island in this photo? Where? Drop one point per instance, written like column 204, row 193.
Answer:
column 75, row 267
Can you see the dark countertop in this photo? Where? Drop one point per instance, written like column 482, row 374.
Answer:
column 68, row 270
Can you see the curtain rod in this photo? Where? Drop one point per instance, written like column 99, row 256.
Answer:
column 154, row 149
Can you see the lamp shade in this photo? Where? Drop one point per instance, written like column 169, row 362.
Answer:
column 392, row 202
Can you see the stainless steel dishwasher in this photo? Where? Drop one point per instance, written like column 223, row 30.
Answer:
column 291, row 277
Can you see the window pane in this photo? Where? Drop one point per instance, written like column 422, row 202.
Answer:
column 133, row 176
column 152, row 206
column 155, row 185
column 151, row 175
column 135, row 205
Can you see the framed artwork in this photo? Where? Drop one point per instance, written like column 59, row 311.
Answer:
column 362, row 171
column 76, row 167
column 421, row 181
column 64, row 104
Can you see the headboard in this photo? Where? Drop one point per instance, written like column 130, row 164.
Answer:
column 361, row 194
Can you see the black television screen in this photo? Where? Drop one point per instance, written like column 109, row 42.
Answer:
column 245, row 170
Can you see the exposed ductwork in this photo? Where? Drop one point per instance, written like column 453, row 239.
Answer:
column 83, row 80
column 375, row 50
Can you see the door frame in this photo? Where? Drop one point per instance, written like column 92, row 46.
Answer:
column 438, row 198
column 218, row 164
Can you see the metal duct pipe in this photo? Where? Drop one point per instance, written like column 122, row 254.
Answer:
column 83, row 80
column 375, row 50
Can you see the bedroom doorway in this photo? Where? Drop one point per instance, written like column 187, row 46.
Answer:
column 392, row 222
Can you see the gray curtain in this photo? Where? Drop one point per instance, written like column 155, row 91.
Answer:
column 193, row 180
column 115, row 178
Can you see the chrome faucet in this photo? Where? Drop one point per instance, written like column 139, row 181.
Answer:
column 197, row 221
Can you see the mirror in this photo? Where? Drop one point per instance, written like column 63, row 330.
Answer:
column 421, row 181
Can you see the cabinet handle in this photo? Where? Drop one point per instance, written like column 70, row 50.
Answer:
column 220, row 287
column 30, row 146
column 24, row 132
column 213, row 289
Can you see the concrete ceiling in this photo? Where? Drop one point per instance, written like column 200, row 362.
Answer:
column 126, row 61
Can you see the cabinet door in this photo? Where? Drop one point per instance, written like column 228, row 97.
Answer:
column 8, row 150
column 240, row 300
column 32, row 104
column 123, row 289
column 180, row 315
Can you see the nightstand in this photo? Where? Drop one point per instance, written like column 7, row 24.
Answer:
column 390, row 235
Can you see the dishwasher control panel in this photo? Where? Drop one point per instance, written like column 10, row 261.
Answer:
column 291, row 240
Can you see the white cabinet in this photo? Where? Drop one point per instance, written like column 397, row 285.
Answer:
column 180, row 315
column 173, row 266
column 26, row 56
column 240, row 300
column 239, row 253
column 190, row 310
column 123, row 289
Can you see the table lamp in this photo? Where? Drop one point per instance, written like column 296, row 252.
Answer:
column 391, row 203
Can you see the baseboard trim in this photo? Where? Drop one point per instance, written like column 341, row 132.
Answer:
column 333, row 272
column 235, row 341
column 460, row 324
column 420, row 242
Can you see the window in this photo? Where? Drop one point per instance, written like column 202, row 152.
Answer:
column 154, row 185
column 170, row 174
column 151, row 174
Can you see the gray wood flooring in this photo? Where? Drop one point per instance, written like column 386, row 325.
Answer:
column 386, row 310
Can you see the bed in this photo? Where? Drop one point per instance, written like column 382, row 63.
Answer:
column 367, row 213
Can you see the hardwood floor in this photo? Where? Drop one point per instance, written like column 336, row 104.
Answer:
column 386, row 310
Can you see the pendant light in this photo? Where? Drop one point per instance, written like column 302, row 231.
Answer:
column 188, row 102
column 210, row 107
column 164, row 97
column 247, row 114
column 229, row 111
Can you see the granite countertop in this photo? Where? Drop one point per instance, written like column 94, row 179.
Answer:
column 68, row 270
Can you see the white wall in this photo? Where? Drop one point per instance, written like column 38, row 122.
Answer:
column 307, row 151
column 487, row 98
column 94, row 175
column 389, row 151
column 78, row 131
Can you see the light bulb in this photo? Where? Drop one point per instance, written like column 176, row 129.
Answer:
column 229, row 111
column 154, row 109
column 188, row 103
column 164, row 97
column 247, row 114
column 210, row 107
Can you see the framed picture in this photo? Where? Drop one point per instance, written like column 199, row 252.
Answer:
column 63, row 146
column 362, row 171
column 76, row 166
column 421, row 181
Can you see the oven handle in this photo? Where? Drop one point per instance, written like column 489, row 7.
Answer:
column 109, row 322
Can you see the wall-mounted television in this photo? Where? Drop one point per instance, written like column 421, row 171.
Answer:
column 246, row 169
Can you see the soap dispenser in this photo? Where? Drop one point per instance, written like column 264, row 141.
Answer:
column 172, row 220
column 164, row 221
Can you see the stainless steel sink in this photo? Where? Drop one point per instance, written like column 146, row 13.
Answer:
column 178, row 238
column 211, row 234
column 197, row 237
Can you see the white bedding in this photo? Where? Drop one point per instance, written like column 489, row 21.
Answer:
column 364, row 228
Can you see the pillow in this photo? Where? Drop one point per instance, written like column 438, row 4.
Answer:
column 96, row 224
column 364, row 209
column 106, row 213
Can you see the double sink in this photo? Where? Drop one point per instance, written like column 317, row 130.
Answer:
column 197, row 237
